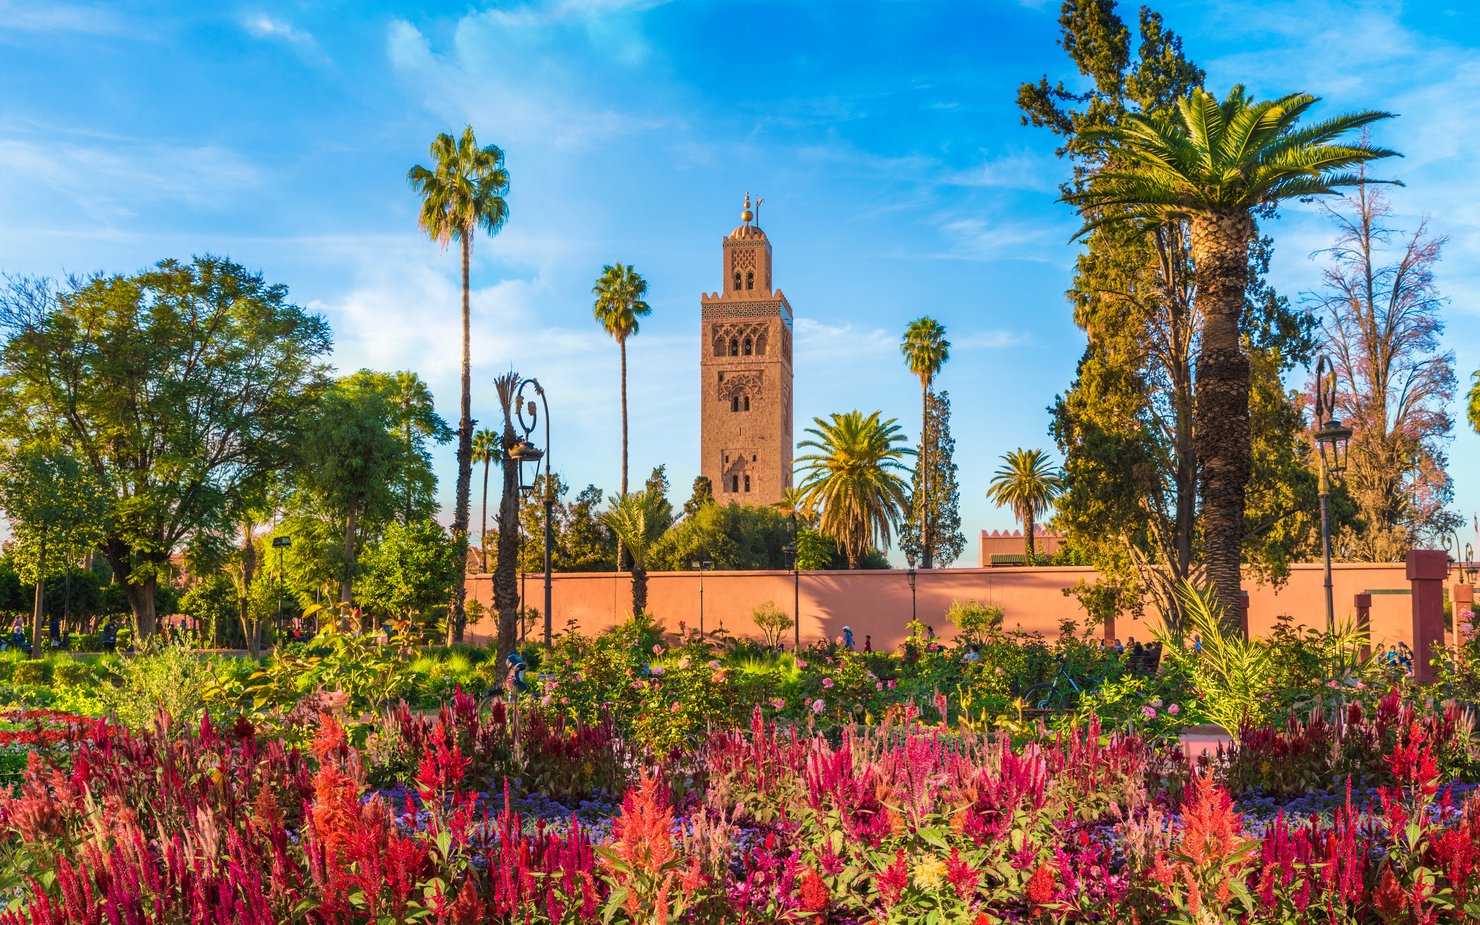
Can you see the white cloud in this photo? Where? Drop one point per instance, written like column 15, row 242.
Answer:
column 268, row 28
column 981, row 239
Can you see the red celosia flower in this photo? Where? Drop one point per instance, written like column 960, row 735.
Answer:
column 330, row 738
column 962, row 877
column 1041, row 887
column 894, row 879
column 642, row 840
column 1388, row 897
column 813, row 892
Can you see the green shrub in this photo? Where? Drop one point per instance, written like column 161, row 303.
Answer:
column 772, row 621
column 163, row 678
column 973, row 619
column 71, row 673
column 33, row 672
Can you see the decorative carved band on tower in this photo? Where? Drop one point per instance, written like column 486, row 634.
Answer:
column 745, row 365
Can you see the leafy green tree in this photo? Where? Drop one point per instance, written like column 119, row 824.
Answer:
column 639, row 521
column 350, row 458
column 940, row 493
column 462, row 192
column 211, row 602
column 925, row 350
column 1214, row 164
column 415, row 418
column 620, row 302
column 52, row 503
column 735, row 537
column 175, row 386
column 703, row 494
column 409, row 574
column 485, row 451
column 853, row 480
column 1474, row 410
column 587, row 544
column 1027, row 483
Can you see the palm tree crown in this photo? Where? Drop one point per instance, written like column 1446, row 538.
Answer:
column 619, row 292
column 464, row 189
column 1028, row 484
column 853, row 479
column 1230, row 156
column 639, row 520
column 925, row 350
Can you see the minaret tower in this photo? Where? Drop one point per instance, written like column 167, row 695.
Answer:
column 745, row 374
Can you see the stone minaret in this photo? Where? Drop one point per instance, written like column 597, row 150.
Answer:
column 745, row 370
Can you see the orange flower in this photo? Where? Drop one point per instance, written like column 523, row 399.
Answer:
column 1211, row 830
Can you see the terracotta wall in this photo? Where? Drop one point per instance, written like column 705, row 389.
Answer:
column 878, row 603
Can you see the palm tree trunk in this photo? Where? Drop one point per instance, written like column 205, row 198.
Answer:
column 457, row 618
column 622, row 346
column 1220, row 256
column 927, row 556
column 1029, row 528
column 483, row 534
column 39, row 605
column 639, row 590
column 505, row 571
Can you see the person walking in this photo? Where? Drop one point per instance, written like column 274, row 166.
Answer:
column 848, row 638
column 868, row 643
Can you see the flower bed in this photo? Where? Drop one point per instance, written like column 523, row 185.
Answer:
column 895, row 823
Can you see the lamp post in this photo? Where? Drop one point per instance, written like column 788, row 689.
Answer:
column 701, row 567
column 529, row 415
column 914, row 614
column 1331, row 439
column 1469, row 566
column 280, row 543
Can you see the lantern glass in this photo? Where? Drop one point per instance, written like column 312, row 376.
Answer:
column 1334, row 439
column 528, row 456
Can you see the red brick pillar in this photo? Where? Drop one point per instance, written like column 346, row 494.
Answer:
column 1363, row 603
column 1243, row 612
column 1462, row 598
column 1428, row 569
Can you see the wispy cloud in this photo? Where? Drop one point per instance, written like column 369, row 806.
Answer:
column 109, row 179
column 273, row 29
column 1007, row 239
column 43, row 16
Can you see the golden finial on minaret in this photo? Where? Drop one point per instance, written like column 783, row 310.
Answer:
column 747, row 216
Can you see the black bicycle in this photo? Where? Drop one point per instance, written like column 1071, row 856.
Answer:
column 1061, row 692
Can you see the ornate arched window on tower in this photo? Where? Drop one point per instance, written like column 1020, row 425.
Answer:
column 734, row 402
column 749, row 346
column 734, row 346
column 750, row 280
column 737, row 280
column 734, row 483
column 745, row 403
column 747, row 483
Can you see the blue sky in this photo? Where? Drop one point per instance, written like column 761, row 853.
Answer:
column 883, row 136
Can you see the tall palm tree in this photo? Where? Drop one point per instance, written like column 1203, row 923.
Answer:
column 853, row 479
column 486, row 449
column 1212, row 165
column 620, row 294
column 462, row 192
column 1028, row 483
column 794, row 503
column 639, row 520
column 925, row 350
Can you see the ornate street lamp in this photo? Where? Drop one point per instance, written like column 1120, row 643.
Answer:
column 701, row 567
column 528, row 415
column 280, row 543
column 1470, row 569
column 1332, row 438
